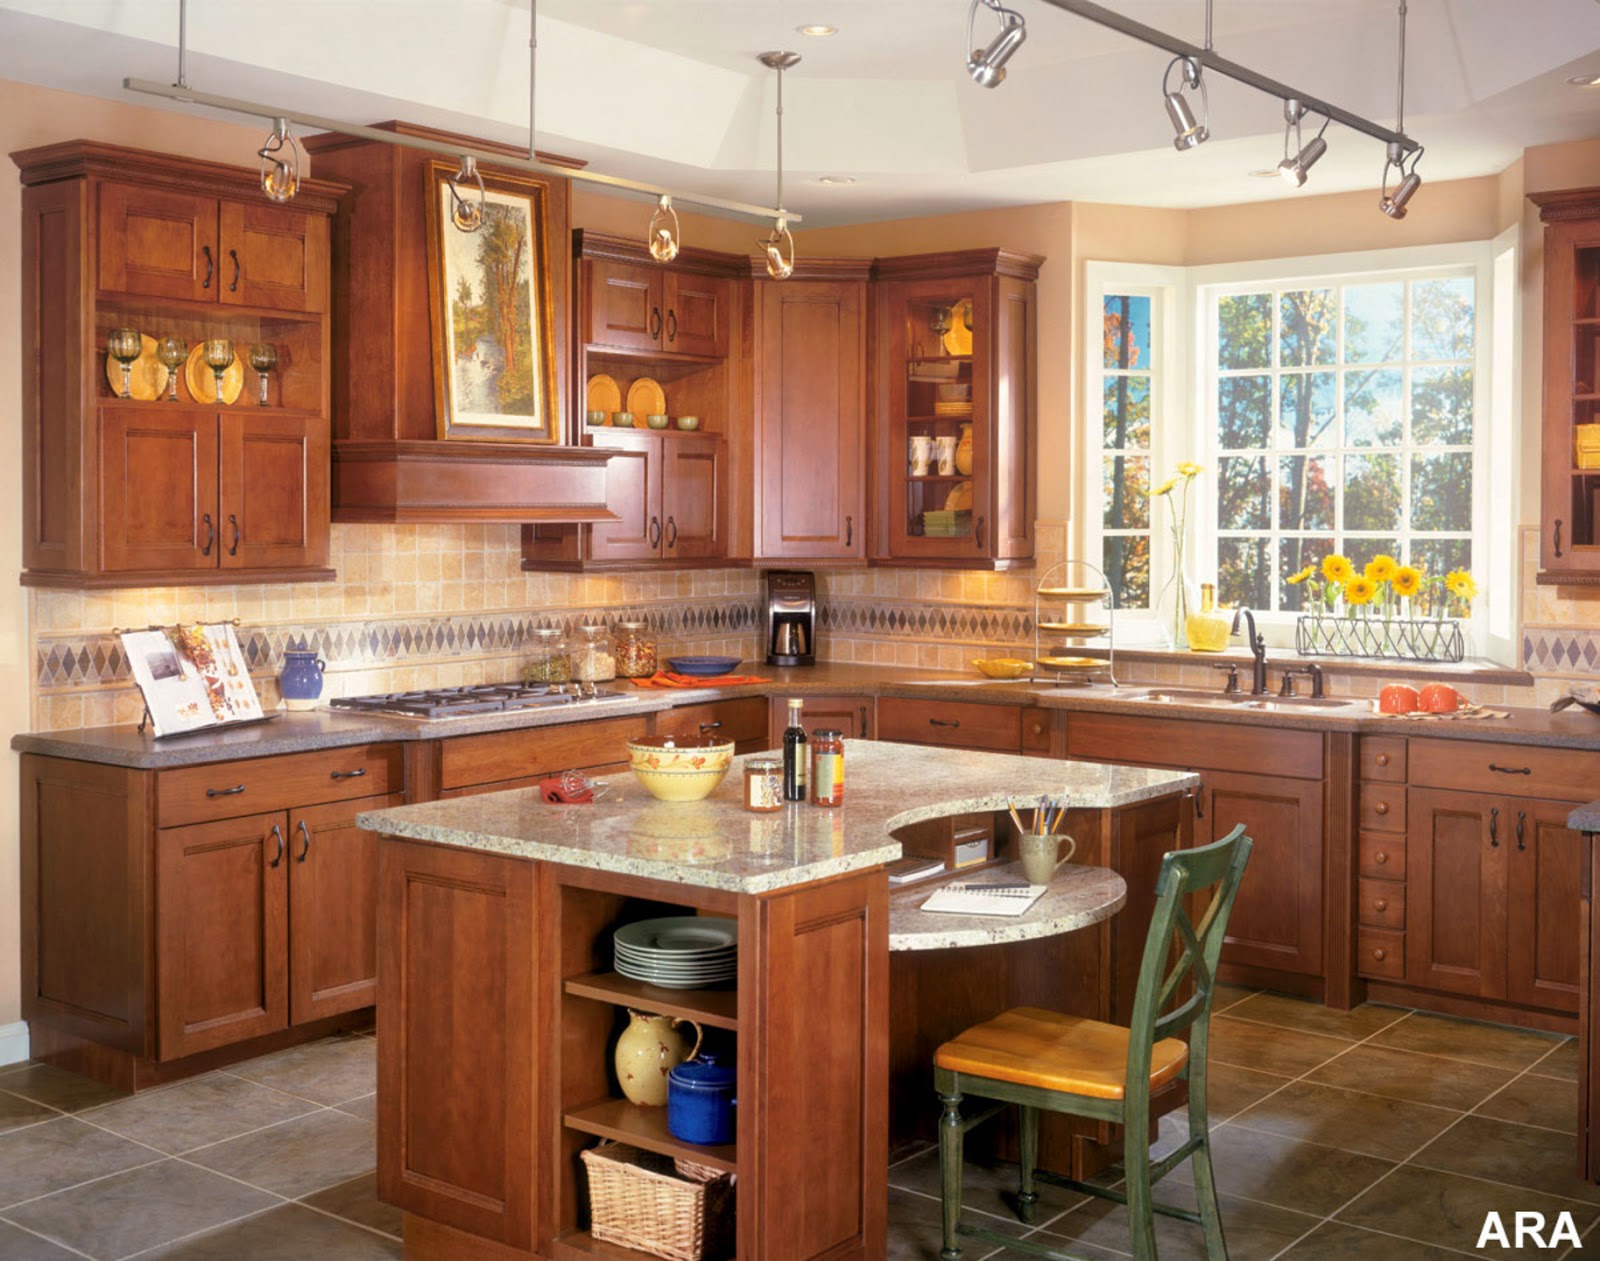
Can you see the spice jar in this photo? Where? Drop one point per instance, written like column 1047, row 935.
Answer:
column 636, row 651
column 593, row 660
column 827, row 768
column 763, row 784
column 549, row 663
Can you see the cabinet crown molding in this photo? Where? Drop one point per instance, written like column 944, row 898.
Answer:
column 963, row 263
column 624, row 249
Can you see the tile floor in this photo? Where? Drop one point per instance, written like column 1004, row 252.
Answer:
column 1378, row 1133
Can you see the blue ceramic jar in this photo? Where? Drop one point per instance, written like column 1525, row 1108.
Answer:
column 301, row 680
column 700, row 1101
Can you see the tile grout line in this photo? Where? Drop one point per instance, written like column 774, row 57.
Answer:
column 38, row 1235
column 195, row 1234
column 348, row 1221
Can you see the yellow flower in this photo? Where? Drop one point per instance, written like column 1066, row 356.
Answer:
column 1165, row 488
column 1460, row 584
column 1407, row 581
column 1189, row 469
column 1294, row 580
column 1381, row 567
column 1337, row 568
column 1359, row 589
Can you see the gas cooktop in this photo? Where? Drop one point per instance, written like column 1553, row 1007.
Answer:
column 487, row 698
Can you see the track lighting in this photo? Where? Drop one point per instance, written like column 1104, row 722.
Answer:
column 779, row 244
column 987, row 66
column 467, row 215
column 1293, row 169
column 280, row 162
column 1190, row 132
column 663, row 231
column 1394, row 204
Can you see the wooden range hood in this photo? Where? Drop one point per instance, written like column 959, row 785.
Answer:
column 389, row 465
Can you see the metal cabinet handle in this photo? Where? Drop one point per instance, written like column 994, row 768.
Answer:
column 977, row 533
column 1199, row 807
column 1511, row 770
column 355, row 774
column 710, row 726
column 944, row 722
column 655, row 321
column 211, row 534
column 862, row 732
column 233, row 548
column 305, row 836
column 849, row 530
column 233, row 285
column 225, row 792
column 655, row 531
column 1558, row 538
column 1494, row 827
column 278, row 857
column 211, row 270
column 1522, row 816
column 672, row 325
column 672, row 532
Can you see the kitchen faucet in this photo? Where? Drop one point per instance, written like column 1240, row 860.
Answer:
column 1258, row 649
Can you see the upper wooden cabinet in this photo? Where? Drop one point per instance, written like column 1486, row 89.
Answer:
column 146, row 492
column 1569, row 537
column 955, row 341
column 648, row 307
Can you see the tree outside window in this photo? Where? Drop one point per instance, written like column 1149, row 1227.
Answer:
column 1127, row 365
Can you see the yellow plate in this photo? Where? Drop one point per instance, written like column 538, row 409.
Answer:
column 958, row 341
column 1072, row 663
column 202, row 382
column 147, row 375
column 1078, row 630
column 646, row 398
column 1004, row 667
column 1072, row 593
column 604, row 395
column 960, row 497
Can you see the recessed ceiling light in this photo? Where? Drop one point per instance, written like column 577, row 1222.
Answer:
column 836, row 179
column 820, row 28
column 1585, row 80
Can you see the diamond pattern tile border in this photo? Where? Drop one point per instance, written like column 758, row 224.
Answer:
column 1561, row 650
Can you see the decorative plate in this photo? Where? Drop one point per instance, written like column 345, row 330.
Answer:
column 960, row 497
column 603, row 395
column 202, row 382
column 147, row 375
column 958, row 341
column 646, row 398
column 709, row 667
column 1078, row 630
column 1072, row 593
column 1072, row 663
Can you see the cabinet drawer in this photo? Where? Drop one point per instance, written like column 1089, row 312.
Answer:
column 1381, row 952
column 1383, row 758
column 1521, row 769
column 535, row 751
column 737, row 720
column 1383, row 903
column 1036, row 730
column 226, row 790
column 953, row 724
column 1383, row 856
column 1383, row 807
column 1199, row 745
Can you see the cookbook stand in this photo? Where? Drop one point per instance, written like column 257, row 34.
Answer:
column 191, row 679
column 1072, row 613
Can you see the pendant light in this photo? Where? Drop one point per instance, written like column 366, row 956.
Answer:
column 987, row 66
column 1394, row 204
column 280, row 162
column 467, row 215
column 663, row 231
column 779, row 244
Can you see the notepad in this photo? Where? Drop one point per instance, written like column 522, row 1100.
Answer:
column 984, row 899
column 907, row 870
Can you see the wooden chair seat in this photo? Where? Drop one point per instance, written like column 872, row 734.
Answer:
column 1072, row 1054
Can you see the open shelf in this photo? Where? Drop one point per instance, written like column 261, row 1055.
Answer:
column 717, row 1008
column 646, row 1128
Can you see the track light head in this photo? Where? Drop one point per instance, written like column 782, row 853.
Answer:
column 987, row 65
column 1293, row 170
column 280, row 162
column 1188, row 132
column 467, row 215
column 663, row 231
column 1394, row 204
column 778, row 249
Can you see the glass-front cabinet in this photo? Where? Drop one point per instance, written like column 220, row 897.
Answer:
column 1569, row 543
column 954, row 406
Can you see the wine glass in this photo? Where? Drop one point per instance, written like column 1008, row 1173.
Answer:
column 218, row 354
column 263, row 358
column 172, row 351
column 125, row 345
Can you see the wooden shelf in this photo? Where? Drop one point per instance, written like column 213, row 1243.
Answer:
column 647, row 1128
column 717, row 1008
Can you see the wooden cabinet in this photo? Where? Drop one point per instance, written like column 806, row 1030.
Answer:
column 951, row 724
column 136, row 492
column 1569, row 536
column 744, row 721
column 955, row 345
column 810, row 439
column 851, row 715
column 650, row 307
column 519, row 759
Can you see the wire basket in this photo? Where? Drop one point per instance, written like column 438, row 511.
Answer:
column 639, row 1200
column 1402, row 639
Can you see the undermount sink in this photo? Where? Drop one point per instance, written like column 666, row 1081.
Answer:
column 1232, row 700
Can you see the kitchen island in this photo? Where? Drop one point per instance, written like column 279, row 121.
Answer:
column 497, row 1006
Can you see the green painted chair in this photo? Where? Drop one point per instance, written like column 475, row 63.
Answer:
column 1043, row 1059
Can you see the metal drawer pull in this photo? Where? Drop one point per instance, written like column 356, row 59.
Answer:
column 278, row 857
column 944, row 722
column 1494, row 827
column 863, row 732
column 355, row 774
column 1199, row 810
column 710, row 726
column 224, row 792
column 1521, row 816
column 1511, row 770
column 305, row 834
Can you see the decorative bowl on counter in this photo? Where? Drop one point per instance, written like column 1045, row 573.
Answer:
column 709, row 667
column 680, row 768
column 1004, row 667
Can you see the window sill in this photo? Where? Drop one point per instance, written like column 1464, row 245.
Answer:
column 1469, row 671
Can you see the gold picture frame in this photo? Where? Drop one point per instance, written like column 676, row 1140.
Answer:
column 484, row 390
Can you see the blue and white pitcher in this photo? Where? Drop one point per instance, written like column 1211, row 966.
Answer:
column 301, row 680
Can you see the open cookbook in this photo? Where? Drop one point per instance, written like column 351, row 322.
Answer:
column 192, row 677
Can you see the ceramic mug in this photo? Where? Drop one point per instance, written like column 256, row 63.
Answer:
column 1042, row 854
column 1397, row 698
column 921, row 453
column 946, row 447
column 1440, row 698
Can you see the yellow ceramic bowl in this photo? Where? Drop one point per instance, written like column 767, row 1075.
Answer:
column 1004, row 667
column 680, row 768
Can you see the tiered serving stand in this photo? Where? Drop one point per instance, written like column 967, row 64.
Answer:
column 1072, row 618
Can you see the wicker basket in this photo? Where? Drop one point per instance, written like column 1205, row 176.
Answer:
column 638, row 1200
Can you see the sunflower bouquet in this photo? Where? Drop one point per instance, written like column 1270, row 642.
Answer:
column 1384, row 586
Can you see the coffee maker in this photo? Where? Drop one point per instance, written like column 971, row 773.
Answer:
column 791, row 617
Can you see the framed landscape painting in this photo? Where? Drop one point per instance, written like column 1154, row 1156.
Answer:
column 494, row 371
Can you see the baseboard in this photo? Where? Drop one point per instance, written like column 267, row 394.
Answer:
column 13, row 1042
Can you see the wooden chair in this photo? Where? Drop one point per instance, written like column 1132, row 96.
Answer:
column 1043, row 1059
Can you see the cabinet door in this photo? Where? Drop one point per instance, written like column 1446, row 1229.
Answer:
column 1277, row 918
column 1544, row 920
column 158, row 489
column 333, row 901
column 691, row 497
column 633, row 492
column 272, row 256
column 158, row 243
column 274, row 491
column 695, row 320
column 850, row 714
column 1456, row 847
column 1569, row 540
column 811, row 416
column 222, row 917
column 624, row 305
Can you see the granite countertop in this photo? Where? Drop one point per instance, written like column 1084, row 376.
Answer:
column 718, row 844
column 1078, row 896
column 321, row 729
column 1585, row 818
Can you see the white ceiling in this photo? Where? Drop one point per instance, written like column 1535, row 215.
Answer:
column 669, row 90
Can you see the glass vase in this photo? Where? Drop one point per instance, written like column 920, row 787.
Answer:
column 1173, row 607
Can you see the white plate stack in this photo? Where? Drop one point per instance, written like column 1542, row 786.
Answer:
column 680, row 952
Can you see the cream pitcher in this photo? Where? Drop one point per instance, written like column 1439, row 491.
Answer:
column 650, row 1048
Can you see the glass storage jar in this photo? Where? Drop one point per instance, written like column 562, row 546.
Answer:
column 593, row 655
column 636, row 651
column 548, row 663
